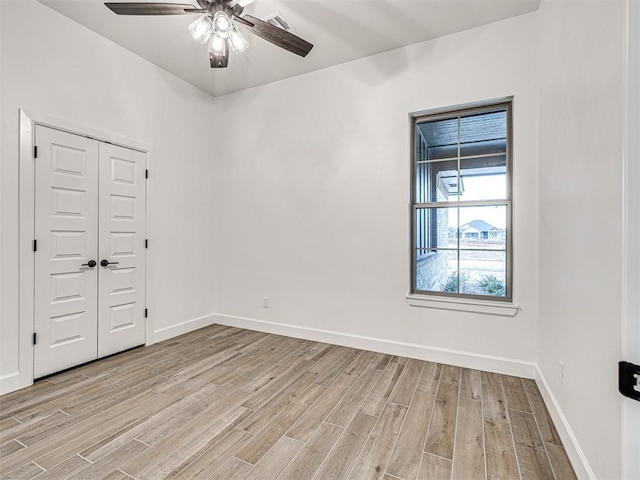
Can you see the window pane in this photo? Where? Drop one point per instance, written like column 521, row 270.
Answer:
column 482, row 127
column 435, row 228
column 483, row 227
column 437, row 271
column 437, row 181
column 439, row 137
column 483, row 187
column 484, row 133
column 489, row 147
column 484, row 177
column 483, row 272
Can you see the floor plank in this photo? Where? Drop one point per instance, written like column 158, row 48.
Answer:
column 407, row 383
column 468, row 454
column 111, row 462
column 223, row 402
column 560, row 463
column 232, row 468
column 8, row 423
column 10, row 448
column 548, row 431
column 443, row 422
column 494, row 402
column 202, row 466
column 311, row 420
column 430, row 378
column 260, row 444
column 499, row 451
column 273, row 463
column 530, row 451
column 313, row 453
column 471, row 384
column 377, row 451
column 450, row 374
column 405, row 459
column 24, row 472
column 515, row 394
column 434, row 468
column 346, row 450
column 377, row 398
column 353, row 398
column 65, row 469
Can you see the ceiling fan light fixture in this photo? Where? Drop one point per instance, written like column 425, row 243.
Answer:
column 222, row 24
column 238, row 43
column 201, row 28
column 216, row 27
column 218, row 45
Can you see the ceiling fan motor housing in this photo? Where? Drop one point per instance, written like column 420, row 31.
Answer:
column 221, row 5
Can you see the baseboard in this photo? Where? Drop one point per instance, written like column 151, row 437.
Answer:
column 13, row 381
column 182, row 328
column 488, row 363
column 569, row 440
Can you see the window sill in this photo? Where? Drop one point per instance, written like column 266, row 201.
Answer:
column 504, row 309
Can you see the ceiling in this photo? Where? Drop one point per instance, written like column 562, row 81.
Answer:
column 341, row 31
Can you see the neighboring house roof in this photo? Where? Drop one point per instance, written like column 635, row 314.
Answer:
column 479, row 225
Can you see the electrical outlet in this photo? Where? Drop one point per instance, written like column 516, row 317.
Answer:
column 561, row 372
column 265, row 302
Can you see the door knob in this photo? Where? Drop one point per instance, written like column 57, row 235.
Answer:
column 104, row 263
column 90, row 264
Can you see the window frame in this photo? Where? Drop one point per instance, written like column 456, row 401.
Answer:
column 505, row 104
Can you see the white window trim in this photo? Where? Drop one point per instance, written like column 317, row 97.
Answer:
column 489, row 307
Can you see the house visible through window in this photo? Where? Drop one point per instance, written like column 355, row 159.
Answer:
column 461, row 203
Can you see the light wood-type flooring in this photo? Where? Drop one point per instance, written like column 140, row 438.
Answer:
column 225, row 403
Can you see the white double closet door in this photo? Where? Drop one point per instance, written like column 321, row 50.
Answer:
column 89, row 256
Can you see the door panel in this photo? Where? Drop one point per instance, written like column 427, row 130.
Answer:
column 121, row 323
column 66, row 228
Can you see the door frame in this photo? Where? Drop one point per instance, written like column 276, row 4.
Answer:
column 26, row 208
column 631, row 232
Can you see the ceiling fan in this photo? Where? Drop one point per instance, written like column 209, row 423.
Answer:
column 216, row 26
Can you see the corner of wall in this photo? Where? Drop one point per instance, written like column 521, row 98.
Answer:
column 182, row 328
column 572, row 447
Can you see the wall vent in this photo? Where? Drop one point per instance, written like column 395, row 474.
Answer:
column 279, row 21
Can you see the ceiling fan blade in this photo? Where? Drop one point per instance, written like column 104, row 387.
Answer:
column 242, row 21
column 153, row 8
column 278, row 36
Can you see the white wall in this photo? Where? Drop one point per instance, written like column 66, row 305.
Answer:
column 312, row 196
column 55, row 67
column 306, row 200
column 581, row 111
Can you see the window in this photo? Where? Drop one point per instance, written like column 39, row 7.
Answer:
column 461, row 203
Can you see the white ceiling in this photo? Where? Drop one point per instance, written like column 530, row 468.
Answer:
column 341, row 30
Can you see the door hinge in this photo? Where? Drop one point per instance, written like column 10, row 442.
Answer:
column 146, row 243
column 35, row 151
column 629, row 380
column 146, row 173
column 35, row 335
column 146, row 313
column 35, row 245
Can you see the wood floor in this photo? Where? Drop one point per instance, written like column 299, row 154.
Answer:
column 225, row 403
